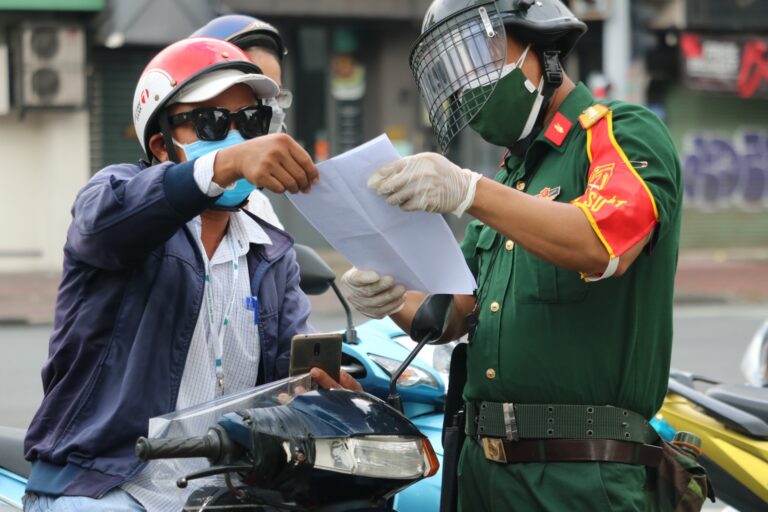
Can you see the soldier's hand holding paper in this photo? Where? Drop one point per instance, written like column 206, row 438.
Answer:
column 427, row 182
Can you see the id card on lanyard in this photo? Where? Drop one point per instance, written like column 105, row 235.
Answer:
column 218, row 345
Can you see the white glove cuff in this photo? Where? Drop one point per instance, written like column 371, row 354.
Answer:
column 474, row 177
column 613, row 265
column 397, row 309
column 378, row 313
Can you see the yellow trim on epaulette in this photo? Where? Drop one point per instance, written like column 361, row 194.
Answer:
column 593, row 114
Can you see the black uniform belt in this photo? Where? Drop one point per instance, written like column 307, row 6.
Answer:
column 570, row 450
column 513, row 422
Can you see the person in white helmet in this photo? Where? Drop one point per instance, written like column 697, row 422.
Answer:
column 171, row 294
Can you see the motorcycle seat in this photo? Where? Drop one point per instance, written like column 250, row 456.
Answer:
column 747, row 398
column 12, row 451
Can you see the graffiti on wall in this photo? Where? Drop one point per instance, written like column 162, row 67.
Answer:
column 726, row 172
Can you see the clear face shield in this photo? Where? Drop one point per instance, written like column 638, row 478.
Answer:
column 466, row 51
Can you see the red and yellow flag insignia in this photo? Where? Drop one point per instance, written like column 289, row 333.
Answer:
column 558, row 129
column 618, row 203
column 549, row 193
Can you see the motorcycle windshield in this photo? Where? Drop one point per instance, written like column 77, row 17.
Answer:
column 155, row 486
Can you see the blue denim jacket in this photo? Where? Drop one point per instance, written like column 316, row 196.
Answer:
column 129, row 298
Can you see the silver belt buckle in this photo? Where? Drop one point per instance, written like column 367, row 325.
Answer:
column 510, row 422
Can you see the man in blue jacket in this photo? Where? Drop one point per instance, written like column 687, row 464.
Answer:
column 159, row 265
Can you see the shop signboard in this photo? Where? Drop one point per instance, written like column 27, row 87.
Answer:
column 736, row 64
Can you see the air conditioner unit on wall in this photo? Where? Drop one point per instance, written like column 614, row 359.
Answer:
column 51, row 65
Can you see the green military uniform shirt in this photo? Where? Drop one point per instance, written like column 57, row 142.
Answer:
column 545, row 336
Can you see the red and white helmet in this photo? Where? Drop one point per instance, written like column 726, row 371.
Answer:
column 189, row 71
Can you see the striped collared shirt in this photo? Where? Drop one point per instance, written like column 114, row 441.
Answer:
column 155, row 486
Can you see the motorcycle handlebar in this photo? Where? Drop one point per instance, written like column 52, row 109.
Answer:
column 208, row 446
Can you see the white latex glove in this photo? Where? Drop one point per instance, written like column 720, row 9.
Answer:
column 428, row 182
column 372, row 295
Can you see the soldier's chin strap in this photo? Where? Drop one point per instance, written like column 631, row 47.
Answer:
column 553, row 78
column 173, row 156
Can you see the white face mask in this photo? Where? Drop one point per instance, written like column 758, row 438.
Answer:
column 508, row 68
column 277, row 123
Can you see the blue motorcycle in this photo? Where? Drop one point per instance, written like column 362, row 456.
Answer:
column 280, row 447
column 382, row 349
column 380, row 355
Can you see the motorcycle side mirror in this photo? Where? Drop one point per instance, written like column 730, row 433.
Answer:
column 431, row 319
column 315, row 277
column 754, row 365
column 315, row 274
column 428, row 325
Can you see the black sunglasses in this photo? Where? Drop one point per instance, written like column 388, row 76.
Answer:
column 212, row 123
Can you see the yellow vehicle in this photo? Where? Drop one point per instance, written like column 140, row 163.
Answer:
column 732, row 422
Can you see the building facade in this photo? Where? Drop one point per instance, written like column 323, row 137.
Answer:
column 707, row 73
column 701, row 64
column 44, row 125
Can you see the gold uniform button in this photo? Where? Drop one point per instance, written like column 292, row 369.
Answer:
column 520, row 185
column 509, row 245
column 495, row 307
column 490, row 373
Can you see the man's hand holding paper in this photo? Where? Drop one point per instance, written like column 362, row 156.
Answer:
column 418, row 249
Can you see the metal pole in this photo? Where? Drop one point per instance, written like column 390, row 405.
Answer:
column 617, row 48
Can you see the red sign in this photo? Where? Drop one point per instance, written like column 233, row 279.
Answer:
column 754, row 68
column 736, row 64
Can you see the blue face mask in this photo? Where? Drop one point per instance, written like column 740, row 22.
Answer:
column 235, row 196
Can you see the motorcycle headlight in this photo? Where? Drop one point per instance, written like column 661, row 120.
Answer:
column 436, row 356
column 412, row 375
column 392, row 457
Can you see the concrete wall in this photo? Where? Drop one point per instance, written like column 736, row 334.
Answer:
column 723, row 145
column 45, row 161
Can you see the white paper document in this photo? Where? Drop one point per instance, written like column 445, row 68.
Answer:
column 416, row 248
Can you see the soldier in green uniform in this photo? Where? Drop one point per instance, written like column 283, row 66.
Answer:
column 574, row 250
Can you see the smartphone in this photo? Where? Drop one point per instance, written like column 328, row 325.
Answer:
column 322, row 350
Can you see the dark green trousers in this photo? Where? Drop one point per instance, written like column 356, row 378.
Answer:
column 553, row 487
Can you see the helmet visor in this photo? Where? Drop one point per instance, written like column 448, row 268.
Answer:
column 466, row 51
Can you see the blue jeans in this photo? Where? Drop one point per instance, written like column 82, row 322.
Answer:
column 116, row 500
